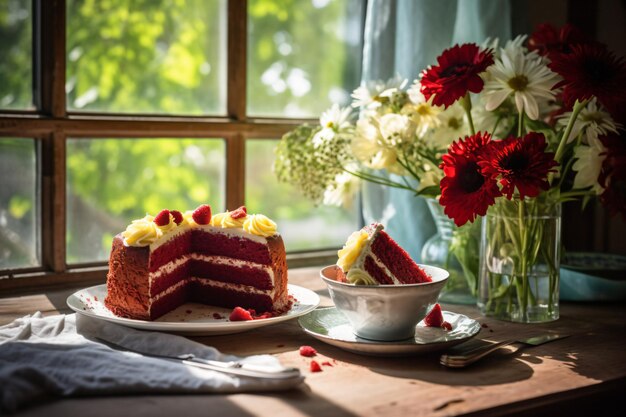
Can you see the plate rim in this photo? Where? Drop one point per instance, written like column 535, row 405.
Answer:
column 187, row 327
column 399, row 345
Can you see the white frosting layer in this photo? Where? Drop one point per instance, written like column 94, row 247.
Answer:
column 214, row 259
column 213, row 283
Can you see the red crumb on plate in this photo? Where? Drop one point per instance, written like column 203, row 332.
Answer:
column 315, row 367
column 95, row 298
column 446, row 325
column 435, row 317
column 217, row 316
column 281, row 345
column 326, row 363
column 484, row 325
column 307, row 351
column 187, row 311
column 240, row 314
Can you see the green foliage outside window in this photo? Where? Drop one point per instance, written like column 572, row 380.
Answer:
column 15, row 54
column 169, row 57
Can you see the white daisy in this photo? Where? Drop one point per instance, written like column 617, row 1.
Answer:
column 332, row 121
column 589, row 164
column 593, row 121
column 422, row 112
column 369, row 95
column 524, row 76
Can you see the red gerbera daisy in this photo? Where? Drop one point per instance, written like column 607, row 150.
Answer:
column 591, row 70
column 549, row 41
column 521, row 163
column 613, row 175
column 456, row 74
column 465, row 192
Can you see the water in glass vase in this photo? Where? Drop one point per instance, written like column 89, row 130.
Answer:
column 519, row 261
column 455, row 250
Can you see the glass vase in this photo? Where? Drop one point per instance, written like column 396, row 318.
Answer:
column 520, row 260
column 456, row 250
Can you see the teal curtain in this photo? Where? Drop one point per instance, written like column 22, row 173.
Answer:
column 402, row 37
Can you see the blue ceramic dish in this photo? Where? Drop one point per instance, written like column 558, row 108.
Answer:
column 587, row 276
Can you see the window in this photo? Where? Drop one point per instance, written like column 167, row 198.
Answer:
column 109, row 110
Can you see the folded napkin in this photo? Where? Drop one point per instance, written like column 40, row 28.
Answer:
column 42, row 357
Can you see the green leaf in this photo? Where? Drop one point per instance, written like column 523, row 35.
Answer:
column 430, row 191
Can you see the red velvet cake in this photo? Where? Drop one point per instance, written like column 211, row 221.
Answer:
column 230, row 259
column 372, row 257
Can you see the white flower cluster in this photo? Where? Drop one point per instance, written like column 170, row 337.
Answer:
column 391, row 129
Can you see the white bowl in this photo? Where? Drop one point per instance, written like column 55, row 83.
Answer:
column 385, row 312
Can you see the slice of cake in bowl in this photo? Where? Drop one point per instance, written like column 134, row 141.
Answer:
column 382, row 292
column 371, row 256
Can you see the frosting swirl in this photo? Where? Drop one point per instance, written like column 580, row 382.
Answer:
column 142, row 232
column 216, row 219
column 352, row 249
column 260, row 225
column 229, row 223
column 358, row 276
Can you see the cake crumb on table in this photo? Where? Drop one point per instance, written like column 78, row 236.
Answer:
column 315, row 367
column 307, row 351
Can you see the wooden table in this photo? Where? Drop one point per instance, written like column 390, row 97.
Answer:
column 584, row 374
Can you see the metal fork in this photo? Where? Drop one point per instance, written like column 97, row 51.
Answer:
column 462, row 357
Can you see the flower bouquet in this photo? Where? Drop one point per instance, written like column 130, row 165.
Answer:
column 507, row 132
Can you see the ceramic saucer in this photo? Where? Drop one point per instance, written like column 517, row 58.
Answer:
column 331, row 326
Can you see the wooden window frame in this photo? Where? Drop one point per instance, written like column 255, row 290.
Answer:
column 51, row 124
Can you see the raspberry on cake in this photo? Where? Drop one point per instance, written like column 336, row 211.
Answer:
column 159, row 263
column 372, row 257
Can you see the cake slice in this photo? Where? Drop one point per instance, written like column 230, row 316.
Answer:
column 372, row 257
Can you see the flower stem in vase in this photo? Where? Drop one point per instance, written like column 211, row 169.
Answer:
column 519, row 260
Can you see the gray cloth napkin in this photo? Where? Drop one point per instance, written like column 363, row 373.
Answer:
column 42, row 357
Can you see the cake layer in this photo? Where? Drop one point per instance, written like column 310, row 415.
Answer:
column 397, row 260
column 219, row 268
column 378, row 273
column 213, row 293
column 209, row 241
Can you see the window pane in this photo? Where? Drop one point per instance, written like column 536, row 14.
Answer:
column 19, row 205
column 16, row 50
column 146, row 56
column 302, row 225
column 113, row 181
column 303, row 55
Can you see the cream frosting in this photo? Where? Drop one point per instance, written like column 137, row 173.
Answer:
column 352, row 249
column 144, row 232
column 352, row 257
column 358, row 276
column 214, row 283
column 260, row 225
